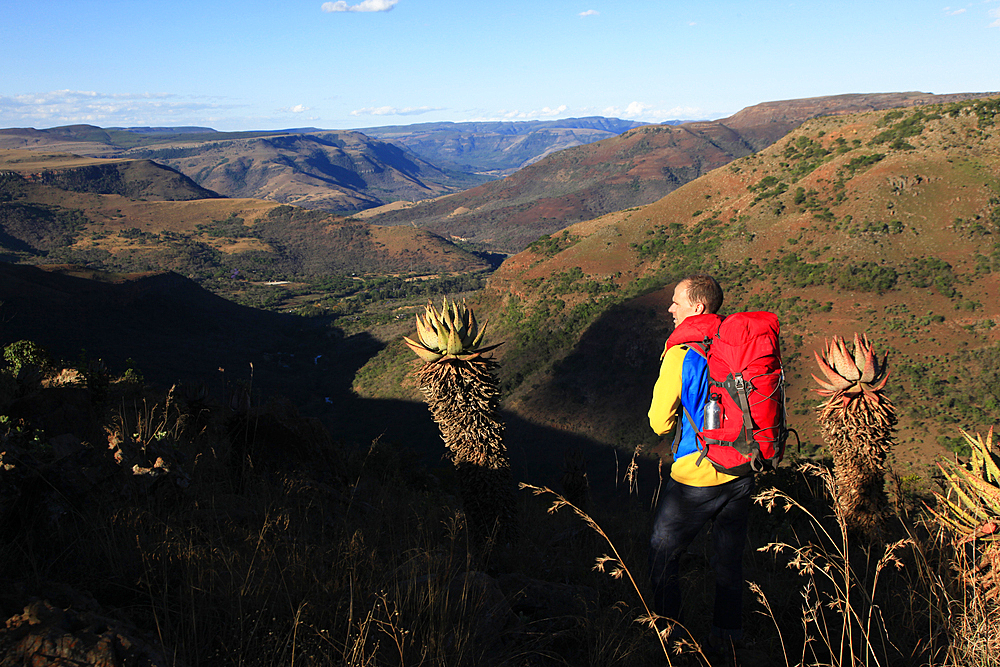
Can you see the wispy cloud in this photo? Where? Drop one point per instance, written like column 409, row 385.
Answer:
column 107, row 109
column 953, row 12
column 544, row 112
column 365, row 6
column 995, row 14
column 632, row 110
column 393, row 111
column 299, row 108
column 590, row 12
column 649, row 113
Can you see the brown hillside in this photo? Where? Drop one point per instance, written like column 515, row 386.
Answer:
column 340, row 171
column 133, row 179
column 41, row 222
column 337, row 171
column 885, row 223
column 635, row 168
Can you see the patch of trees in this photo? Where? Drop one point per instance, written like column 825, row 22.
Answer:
column 902, row 127
column 550, row 246
column 38, row 229
column 232, row 227
column 803, row 155
column 932, row 272
column 962, row 390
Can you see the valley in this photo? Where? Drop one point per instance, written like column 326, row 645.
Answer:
column 881, row 223
column 211, row 426
column 872, row 222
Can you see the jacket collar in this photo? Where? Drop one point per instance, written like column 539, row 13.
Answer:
column 695, row 329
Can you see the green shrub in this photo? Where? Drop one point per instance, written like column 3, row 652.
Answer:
column 24, row 354
column 867, row 277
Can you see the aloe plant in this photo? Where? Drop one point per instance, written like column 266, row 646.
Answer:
column 857, row 421
column 461, row 390
column 970, row 508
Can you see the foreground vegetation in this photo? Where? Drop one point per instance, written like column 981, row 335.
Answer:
column 193, row 528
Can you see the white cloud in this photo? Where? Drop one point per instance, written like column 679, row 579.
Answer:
column 364, row 6
column 63, row 107
column 636, row 109
column 995, row 13
column 953, row 12
column 533, row 114
column 299, row 108
column 546, row 111
column 590, row 12
column 649, row 113
column 393, row 111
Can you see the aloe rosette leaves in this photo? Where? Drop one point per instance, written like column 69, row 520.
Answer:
column 451, row 333
column 458, row 382
column 857, row 420
column 970, row 509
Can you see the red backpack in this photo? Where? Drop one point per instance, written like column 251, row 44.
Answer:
column 746, row 379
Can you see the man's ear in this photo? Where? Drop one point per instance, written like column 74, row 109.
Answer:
column 699, row 308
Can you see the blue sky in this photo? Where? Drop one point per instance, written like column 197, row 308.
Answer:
column 261, row 64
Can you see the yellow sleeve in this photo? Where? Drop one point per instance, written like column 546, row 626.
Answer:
column 666, row 402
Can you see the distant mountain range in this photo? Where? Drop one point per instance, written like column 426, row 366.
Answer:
column 338, row 171
column 577, row 169
column 498, row 148
column 635, row 168
column 883, row 223
column 137, row 215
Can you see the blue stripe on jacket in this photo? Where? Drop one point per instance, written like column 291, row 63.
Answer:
column 694, row 391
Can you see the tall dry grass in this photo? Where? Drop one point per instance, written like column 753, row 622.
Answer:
column 362, row 557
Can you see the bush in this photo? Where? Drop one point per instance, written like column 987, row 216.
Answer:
column 867, row 277
column 25, row 354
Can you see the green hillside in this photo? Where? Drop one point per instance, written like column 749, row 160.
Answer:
column 636, row 168
column 885, row 223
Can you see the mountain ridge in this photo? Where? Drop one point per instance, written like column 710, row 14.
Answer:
column 64, row 209
column 635, row 168
column 880, row 222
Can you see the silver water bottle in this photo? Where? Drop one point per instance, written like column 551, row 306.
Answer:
column 713, row 413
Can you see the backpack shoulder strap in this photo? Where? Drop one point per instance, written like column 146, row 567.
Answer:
column 677, row 432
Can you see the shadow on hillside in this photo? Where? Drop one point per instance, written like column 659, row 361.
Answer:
column 536, row 451
column 173, row 331
column 601, row 389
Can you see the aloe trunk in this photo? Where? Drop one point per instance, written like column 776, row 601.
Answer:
column 461, row 390
column 857, row 421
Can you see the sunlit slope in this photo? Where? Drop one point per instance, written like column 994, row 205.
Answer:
column 42, row 221
column 636, row 168
column 882, row 222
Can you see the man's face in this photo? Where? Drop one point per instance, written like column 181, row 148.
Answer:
column 682, row 307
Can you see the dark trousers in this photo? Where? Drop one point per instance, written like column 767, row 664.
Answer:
column 682, row 512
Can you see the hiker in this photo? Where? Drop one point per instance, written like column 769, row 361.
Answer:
column 696, row 491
